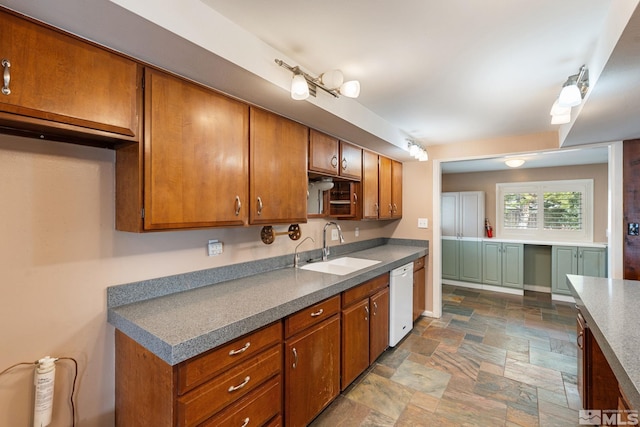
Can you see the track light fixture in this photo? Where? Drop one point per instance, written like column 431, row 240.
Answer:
column 417, row 151
column 332, row 82
column 572, row 93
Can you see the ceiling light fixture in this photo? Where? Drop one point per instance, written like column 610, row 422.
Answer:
column 572, row 93
column 514, row 163
column 417, row 151
column 332, row 82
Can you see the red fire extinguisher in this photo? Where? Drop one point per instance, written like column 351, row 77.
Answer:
column 488, row 227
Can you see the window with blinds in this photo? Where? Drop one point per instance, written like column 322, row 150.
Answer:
column 545, row 210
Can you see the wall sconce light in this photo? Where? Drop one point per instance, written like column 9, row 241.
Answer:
column 572, row 93
column 514, row 163
column 417, row 151
column 332, row 82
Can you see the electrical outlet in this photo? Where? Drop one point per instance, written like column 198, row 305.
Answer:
column 423, row 223
column 214, row 248
column 357, row 231
column 334, row 234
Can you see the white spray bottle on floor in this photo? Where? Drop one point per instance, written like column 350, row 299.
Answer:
column 44, row 380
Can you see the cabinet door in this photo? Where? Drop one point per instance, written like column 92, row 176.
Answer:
column 470, row 261
column 370, row 202
column 384, row 189
column 312, row 371
column 563, row 262
column 471, row 216
column 323, row 153
column 379, row 324
column 343, row 200
column 513, row 265
column 350, row 161
column 449, row 214
column 592, row 262
column 396, row 189
column 59, row 80
column 584, row 373
column 355, row 341
column 278, row 169
column 450, row 260
column 419, row 293
column 492, row 263
column 196, row 151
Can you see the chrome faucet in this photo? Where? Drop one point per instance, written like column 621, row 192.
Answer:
column 296, row 257
column 325, row 248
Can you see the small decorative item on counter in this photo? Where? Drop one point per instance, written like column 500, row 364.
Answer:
column 488, row 228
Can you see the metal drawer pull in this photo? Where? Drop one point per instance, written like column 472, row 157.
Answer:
column 239, row 386
column 7, row 76
column 295, row 358
column 259, row 206
column 317, row 313
column 245, row 423
column 334, row 161
column 238, row 205
column 240, row 350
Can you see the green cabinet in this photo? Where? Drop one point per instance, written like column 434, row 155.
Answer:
column 503, row 264
column 584, row 261
column 462, row 260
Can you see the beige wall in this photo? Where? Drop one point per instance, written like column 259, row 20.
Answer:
column 486, row 181
column 59, row 252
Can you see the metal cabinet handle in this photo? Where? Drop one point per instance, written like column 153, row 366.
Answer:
column 344, row 164
column 366, row 309
column 238, row 205
column 580, row 344
column 6, row 76
column 334, row 161
column 317, row 313
column 259, row 206
column 240, row 350
column 395, row 208
column 375, row 205
column 390, row 208
column 245, row 423
column 375, row 308
column 239, row 386
column 295, row 359
column 355, row 198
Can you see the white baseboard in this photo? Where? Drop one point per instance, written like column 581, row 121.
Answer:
column 564, row 298
column 538, row 288
column 484, row 287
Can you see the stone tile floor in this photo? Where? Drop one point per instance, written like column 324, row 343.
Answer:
column 493, row 359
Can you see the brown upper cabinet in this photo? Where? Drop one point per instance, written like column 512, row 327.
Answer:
column 59, row 85
column 330, row 156
column 278, row 170
column 195, row 169
column 382, row 187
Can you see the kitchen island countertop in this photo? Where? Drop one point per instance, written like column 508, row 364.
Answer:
column 611, row 308
column 184, row 324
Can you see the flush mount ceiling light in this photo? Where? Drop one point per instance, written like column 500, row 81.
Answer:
column 572, row 93
column 332, row 82
column 514, row 163
column 417, row 151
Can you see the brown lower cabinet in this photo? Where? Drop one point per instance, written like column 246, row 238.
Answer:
column 597, row 384
column 365, row 326
column 311, row 361
column 419, row 292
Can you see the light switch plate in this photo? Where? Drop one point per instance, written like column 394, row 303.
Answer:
column 214, row 248
column 423, row 223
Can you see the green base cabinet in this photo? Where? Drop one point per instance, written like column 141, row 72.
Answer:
column 462, row 260
column 450, row 259
column 584, row 261
column 503, row 264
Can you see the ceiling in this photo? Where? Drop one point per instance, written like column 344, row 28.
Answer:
column 434, row 72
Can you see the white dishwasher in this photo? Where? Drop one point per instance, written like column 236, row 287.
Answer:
column 400, row 303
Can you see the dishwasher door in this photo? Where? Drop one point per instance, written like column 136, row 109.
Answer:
column 400, row 303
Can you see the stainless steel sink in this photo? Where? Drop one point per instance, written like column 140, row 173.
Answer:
column 340, row 266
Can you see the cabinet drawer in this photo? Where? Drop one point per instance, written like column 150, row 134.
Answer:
column 255, row 409
column 199, row 404
column 311, row 315
column 363, row 291
column 199, row 369
column 418, row 263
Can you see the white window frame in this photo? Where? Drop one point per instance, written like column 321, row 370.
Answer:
column 584, row 186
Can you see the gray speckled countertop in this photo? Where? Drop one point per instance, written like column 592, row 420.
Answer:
column 610, row 307
column 181, row 325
